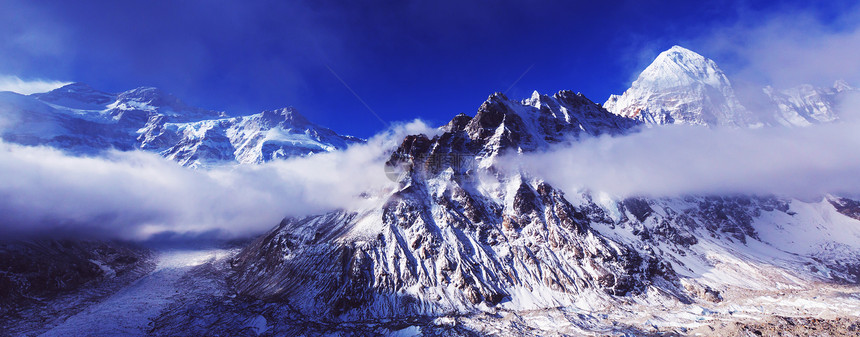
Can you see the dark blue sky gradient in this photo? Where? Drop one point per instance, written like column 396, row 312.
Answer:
column 415, row 59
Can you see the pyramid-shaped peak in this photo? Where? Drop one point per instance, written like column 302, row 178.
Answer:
column 682, row 87
column 681, row 67
column 682, row 56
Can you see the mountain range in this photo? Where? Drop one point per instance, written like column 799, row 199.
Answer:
column 466, row 246
column 82, row 120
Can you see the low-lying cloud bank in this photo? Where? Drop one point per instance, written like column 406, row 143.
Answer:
column 677, row 160
column 137, row 195
column 134, row 195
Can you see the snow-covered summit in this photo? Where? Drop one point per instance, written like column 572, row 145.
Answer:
column 681, row 67
column 682, row 87
column 448, row 239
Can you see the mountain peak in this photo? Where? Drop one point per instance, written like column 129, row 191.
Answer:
column 681, row 55
column 497, row 96
column 676, row 49
column 289, row 115
column 682, row 87
column 681, row 67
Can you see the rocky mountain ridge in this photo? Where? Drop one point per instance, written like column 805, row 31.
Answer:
column 442, row 243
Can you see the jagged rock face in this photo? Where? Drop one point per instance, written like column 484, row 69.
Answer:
column 456, row 236
column 465, row 253
column 675, row 221
column 80, row 119
column 846, row 206
column 502, row 125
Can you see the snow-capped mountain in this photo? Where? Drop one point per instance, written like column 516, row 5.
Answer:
column 80, row 119
column 466, row 244
column 463, row 236
column 458, row 235
column 253, row 139
column 683, row 87
column 465, row 239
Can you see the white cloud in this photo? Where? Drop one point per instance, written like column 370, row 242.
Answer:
column 789, row 48
column 135, row 195
column 678, row 160
column 15, row 84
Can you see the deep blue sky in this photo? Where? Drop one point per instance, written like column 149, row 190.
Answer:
column 411, row 59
